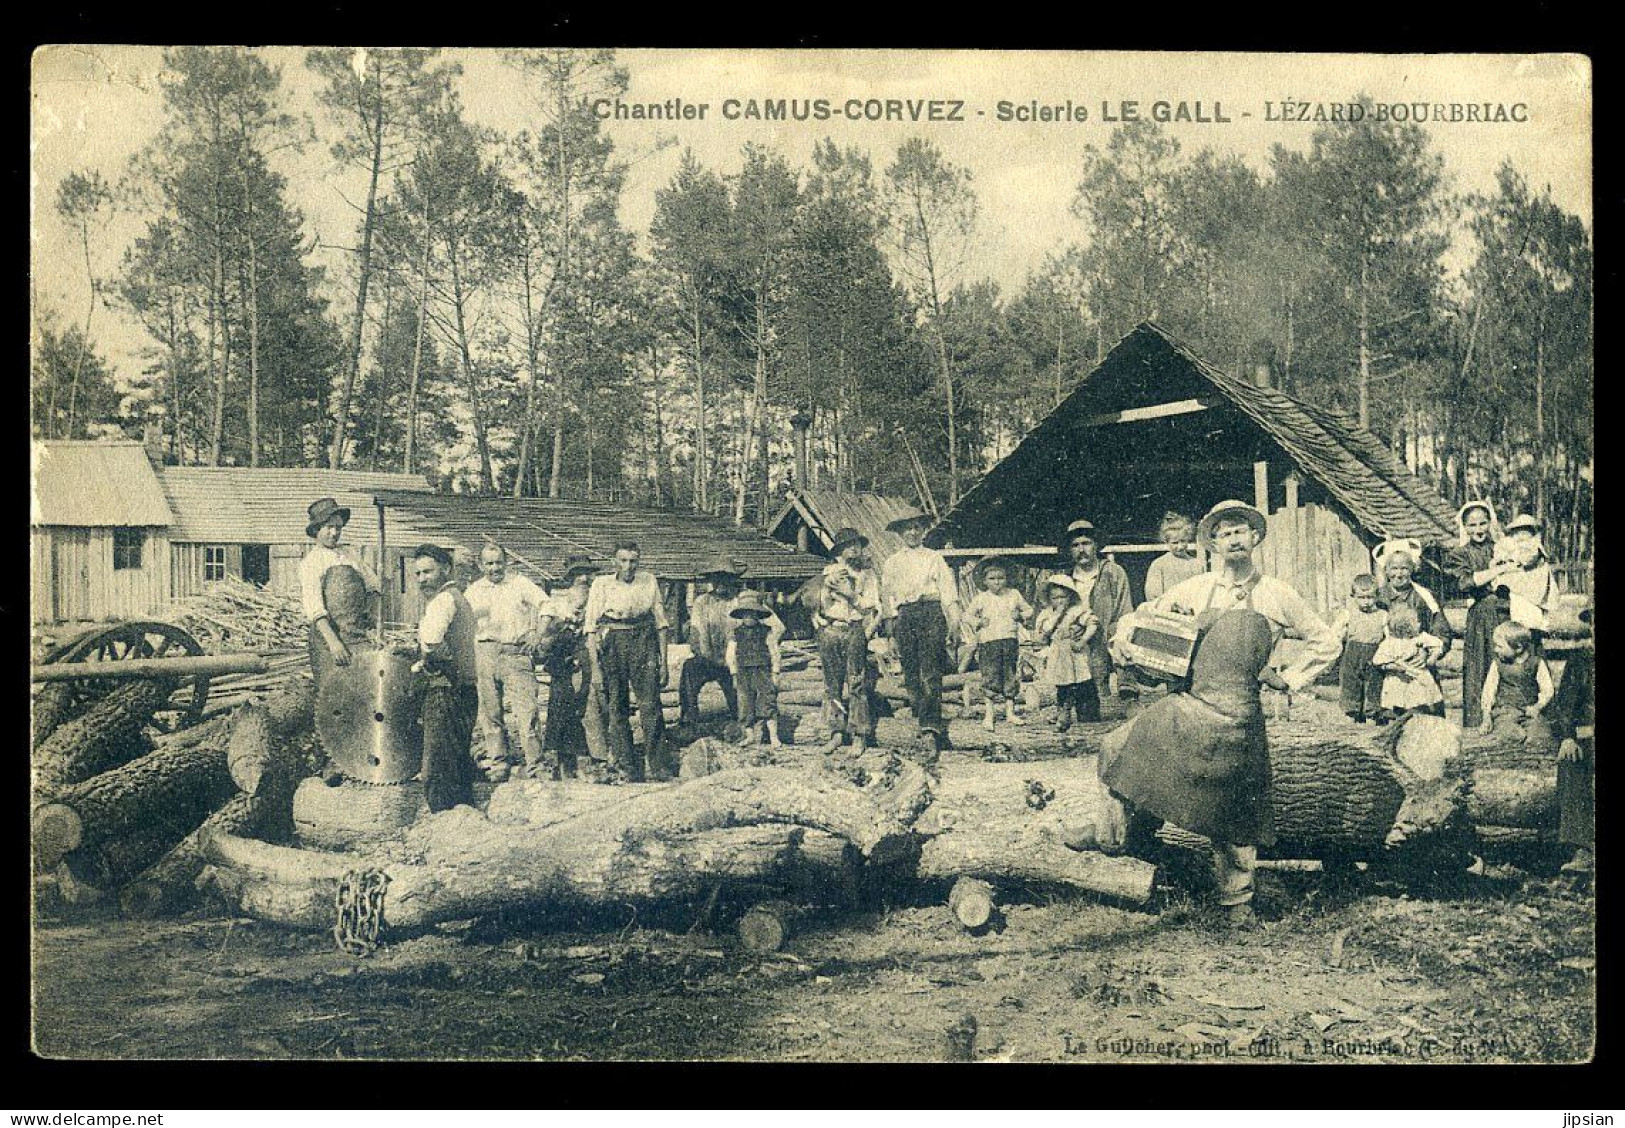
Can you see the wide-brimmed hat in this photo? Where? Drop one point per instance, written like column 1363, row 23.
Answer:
column 1231, row 508
column 576, row 566
column 909, row 516
column 845, row 539
column 1061, row 580
column 749, row 605
column 1523, row 521
column 1410, row 546
column 722, row 566
column 323, row 511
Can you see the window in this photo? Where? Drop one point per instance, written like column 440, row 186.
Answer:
column 127, row 545
column 214, row 562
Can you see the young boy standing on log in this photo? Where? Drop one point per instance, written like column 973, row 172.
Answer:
column 846, row 617
column 1361, row 627
column 709, row 629
column 993, row 625
column 753, row 660
column 1201, row 759
column 628, row 637
column 921, row 600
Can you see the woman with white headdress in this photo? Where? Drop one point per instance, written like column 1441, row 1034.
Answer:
column 1396, row 562
column 1473, row 568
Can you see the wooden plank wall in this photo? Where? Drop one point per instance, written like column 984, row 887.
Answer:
column 80, row 584
column 1316, row 551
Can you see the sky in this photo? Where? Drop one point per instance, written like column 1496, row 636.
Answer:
column 94, row 108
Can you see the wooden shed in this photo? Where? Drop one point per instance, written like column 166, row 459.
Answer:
column 810, row 519
column 98, row 542
column 1155, row 428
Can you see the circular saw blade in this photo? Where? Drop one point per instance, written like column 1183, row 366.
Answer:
column 368, row 716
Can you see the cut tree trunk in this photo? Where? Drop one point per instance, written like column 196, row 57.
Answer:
column 53, row 706
column 971, row 902
column 123, row 820
column 106, row 735
column 297, row 888
column 170, row 884
column 766, row 927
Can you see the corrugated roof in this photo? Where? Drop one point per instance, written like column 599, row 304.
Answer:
column 266, row 505
column 826, row 512
column 1348, row 461
column 543, row 531
column 96, row 484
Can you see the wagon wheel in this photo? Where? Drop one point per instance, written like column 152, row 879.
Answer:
column 137, row 640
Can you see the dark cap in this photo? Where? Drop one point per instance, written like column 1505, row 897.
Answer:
column 323, row 511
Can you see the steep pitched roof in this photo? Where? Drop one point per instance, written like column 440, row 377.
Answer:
column 96, row 484
column 265, row 505
column 1348, row 461
column 826, row 512
column 541, row 532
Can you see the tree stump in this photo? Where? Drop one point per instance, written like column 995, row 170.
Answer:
column 766, row 927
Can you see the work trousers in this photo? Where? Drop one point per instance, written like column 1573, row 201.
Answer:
column 629, row 661
column 448, row 726
column 849, row 679
column 699, row 672
column 758, row 695
column 1083, row 698
column 507, row 683
column 999, row 660
column 1361, row 682
column 922, row 648
column 1233, row 868
column 574, row 721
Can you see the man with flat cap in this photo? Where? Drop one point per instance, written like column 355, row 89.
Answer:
column 446, row 655
column 845, row 620
column 575, row 720
column 710, row 626
column 1102, row 587
column 921, row 600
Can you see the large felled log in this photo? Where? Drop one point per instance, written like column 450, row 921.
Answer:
column 298, row 887
column 353, row 816
column 123, row 820
column 106, row 735
column 170, row 884
column 53, row 706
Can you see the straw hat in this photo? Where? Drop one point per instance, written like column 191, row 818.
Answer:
column 1231, row 508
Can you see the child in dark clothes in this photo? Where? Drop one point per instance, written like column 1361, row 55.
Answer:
column 754, row 666
column 1361, row 627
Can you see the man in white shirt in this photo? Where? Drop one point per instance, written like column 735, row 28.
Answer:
column 506, row 607
column 326, row 527
column 450, row 701
column 710, row 626
column 847, row 617
column 921, row 600
column 628, row 638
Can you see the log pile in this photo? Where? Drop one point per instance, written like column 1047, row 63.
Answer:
column 115, row 810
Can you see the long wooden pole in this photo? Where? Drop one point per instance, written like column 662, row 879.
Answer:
column 192, row 665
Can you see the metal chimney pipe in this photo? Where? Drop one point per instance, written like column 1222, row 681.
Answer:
column 801, row 423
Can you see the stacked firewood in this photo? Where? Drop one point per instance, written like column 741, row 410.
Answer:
column 234, row 615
